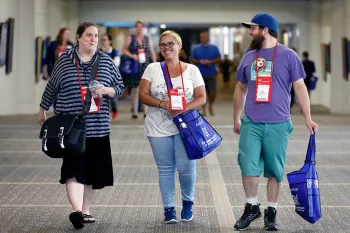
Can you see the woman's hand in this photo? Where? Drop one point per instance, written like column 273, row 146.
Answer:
column 41, row 116
column 135, row 57
column 175, row 113
column 165, row 104
column 102, row 90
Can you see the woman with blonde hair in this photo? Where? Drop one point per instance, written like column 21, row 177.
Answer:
column 139, row 47
column 164, row 138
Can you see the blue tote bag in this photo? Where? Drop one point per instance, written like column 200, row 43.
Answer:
column 313, row 82
column 128, row 66
column 198, row 136
column 304, row 187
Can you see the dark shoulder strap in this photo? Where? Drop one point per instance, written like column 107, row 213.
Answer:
column 168, row 82
column 133, row 44
column 113, row 53
column 87, row 104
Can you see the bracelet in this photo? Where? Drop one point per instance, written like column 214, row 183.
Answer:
column 160, row 103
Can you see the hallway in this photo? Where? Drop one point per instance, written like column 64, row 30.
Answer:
column 32, row 200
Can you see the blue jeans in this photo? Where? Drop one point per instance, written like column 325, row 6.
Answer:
column 170, row 154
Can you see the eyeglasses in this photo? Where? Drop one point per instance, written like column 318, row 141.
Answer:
column 169, row 44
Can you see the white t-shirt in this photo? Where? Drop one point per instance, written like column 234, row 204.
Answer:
column 159, row 122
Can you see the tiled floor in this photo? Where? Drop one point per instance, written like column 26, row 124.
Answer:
column 32, row 200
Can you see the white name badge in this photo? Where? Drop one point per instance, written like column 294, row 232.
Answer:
column 142, row 56
column 177, row 99
column 176, row 102
column 263, row 92
column 263, row 89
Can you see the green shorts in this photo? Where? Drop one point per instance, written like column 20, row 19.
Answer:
column 263, row 146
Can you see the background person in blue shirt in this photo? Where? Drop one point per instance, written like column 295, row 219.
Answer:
column 206, row 56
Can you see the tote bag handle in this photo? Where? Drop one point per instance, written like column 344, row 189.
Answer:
column 311, row 150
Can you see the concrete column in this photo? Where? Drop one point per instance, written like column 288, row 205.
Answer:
column 337, row 23
column 41, row 16
column 72, row 10
column 339, row 87
column 25, row 34
column 347, row 83
column 324, row 86
column 315, row 45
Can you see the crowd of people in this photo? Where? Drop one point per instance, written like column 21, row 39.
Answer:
column 266, row 75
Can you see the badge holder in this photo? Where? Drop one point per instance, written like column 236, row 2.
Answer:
column 263, row 92
column 263, row 89
column 176, row 96
column 95, row 101
column 142, row 55
column 177, row 99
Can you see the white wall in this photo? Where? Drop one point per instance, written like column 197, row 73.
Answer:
column 320, row 33
column 340, row 89
column 50, row 16
column 316, row 23
column 8, row 9
column 192, row 11
column 32, row 18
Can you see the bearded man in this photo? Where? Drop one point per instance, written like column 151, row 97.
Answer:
column 266, row 75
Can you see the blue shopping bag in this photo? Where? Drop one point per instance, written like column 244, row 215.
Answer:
column 198, row 136
column 128, row 66
column 313, row 82
column 304, row 186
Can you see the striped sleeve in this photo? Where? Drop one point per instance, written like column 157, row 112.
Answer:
column 117, row 81
column 51, row 89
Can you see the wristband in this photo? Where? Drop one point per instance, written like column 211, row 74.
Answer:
column 160, row 103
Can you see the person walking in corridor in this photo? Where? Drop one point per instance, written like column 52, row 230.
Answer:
column 164, row 138
column 206, row 56
column 55, row 50
column 309, row 68
column 114, row 54
column 266, row 75
column 140, row 48
column 84, row 173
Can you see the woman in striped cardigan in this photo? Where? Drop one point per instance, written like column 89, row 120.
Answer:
column 83, row 173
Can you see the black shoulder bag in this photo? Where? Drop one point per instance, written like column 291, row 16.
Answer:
column 67, row 132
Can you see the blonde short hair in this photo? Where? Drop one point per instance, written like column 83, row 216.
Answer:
column 173, row 34
column 139, row 22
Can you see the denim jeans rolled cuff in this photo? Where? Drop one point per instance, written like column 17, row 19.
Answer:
column 170, row 155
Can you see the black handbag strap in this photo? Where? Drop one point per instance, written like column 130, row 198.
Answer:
column 87, row 102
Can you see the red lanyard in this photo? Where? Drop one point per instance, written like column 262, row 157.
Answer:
column 168, row 79
column 273, row 61
column 76, row 63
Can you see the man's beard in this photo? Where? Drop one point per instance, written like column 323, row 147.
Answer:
column 257, row 42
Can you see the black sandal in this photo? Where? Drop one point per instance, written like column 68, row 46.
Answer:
column 87, row 217
column 76, row 218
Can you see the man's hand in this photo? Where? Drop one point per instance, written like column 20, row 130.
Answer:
column 205, row 62
column 312, row 126
column 237, row 126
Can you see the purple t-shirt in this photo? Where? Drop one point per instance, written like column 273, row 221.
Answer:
column 286, row 70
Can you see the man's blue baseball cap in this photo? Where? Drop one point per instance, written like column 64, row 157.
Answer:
column 264, row 20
